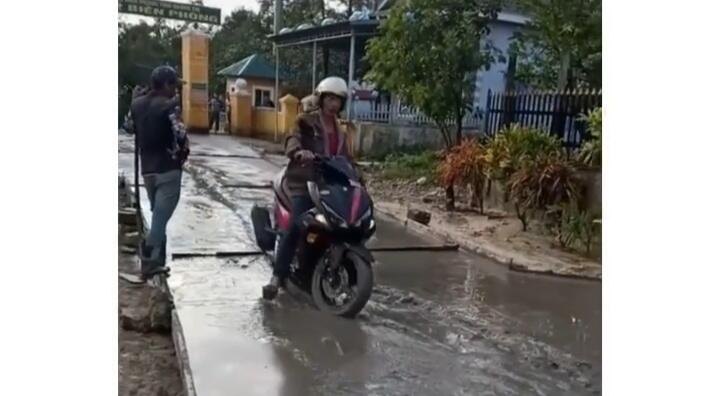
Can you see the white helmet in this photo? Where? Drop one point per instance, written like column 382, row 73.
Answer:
column 333, row 85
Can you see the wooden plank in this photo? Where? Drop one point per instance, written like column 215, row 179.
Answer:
column 249, row 186
column 416, row 248
column 238, row 253
column 245, row 253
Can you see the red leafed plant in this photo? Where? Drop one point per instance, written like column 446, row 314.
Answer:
column 465, row 163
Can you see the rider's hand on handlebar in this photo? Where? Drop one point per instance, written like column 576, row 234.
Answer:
column 305, row 155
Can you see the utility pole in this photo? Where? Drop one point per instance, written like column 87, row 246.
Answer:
column 277, row 22
column 325, row 52
column 277, row 17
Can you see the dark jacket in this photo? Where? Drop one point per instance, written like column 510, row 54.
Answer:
column 308, row 134
column 157, row 139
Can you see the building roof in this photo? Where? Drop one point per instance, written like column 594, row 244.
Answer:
column 252, row 66
column 335, row 34
column 338, row 33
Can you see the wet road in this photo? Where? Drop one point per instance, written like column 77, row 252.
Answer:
column 449, row 323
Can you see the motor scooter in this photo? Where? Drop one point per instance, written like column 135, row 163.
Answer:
column 332, row 263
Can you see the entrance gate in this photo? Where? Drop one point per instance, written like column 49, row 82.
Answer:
column 195, row 52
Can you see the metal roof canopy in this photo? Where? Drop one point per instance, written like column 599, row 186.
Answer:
column 341, row 34
column 333, row 35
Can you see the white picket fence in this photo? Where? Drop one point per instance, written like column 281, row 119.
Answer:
column 397, row 114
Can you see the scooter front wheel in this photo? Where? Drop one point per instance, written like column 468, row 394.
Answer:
column 345, row 290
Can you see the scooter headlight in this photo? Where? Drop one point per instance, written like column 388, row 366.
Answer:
column 370, row 230
column 364, row 217
column 320, row 218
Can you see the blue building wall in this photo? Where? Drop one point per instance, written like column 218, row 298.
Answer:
column 501, row 33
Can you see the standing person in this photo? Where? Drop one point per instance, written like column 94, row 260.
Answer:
column 215, row 108
column 315, row 133
column 164, row 147
column 137, row 92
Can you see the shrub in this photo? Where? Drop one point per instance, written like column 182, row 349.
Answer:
column 466, row 163
column 591, row 151
column 541, row 184
column 577, row 225
column 513, row 146
column 516, row 144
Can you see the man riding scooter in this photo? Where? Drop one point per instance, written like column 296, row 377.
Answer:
column 316, row 133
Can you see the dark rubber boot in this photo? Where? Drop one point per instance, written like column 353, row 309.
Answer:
column 271, row 289
column 152, row 261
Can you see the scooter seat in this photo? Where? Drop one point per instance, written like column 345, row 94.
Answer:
column 286, row 193
column 282, row 191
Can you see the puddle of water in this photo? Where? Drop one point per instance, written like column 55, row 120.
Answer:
column 563, row 312
column 239, row 344
column 227, row 362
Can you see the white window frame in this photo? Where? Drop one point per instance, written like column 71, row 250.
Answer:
column 264, row 88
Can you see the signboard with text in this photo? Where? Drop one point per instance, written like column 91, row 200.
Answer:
column 170, row 10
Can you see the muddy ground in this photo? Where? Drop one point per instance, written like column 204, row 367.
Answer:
column 146, row 353
column 446, row 323
column 496, row 233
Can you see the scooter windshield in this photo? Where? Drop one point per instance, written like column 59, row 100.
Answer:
column 338, row 170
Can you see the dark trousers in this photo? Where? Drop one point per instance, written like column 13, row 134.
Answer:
column 289, row 241
column 215, row 120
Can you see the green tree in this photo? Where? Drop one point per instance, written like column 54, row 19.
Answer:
column 142, row 47
column 242, row 34
column 427, row 52
column 561, row 46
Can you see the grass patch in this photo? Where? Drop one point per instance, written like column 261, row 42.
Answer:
column 410, row 165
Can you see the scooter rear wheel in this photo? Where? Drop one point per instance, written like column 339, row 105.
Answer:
column 261, row 224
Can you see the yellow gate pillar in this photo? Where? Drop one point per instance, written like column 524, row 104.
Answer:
column 241, row 122
column 195, row 49
column 288, row 113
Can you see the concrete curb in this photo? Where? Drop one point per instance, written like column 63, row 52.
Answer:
column 183, row 357
column 488, row 250
column 178, row 336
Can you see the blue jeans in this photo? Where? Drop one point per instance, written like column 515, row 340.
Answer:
column 289, row 241
column 163, row 190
